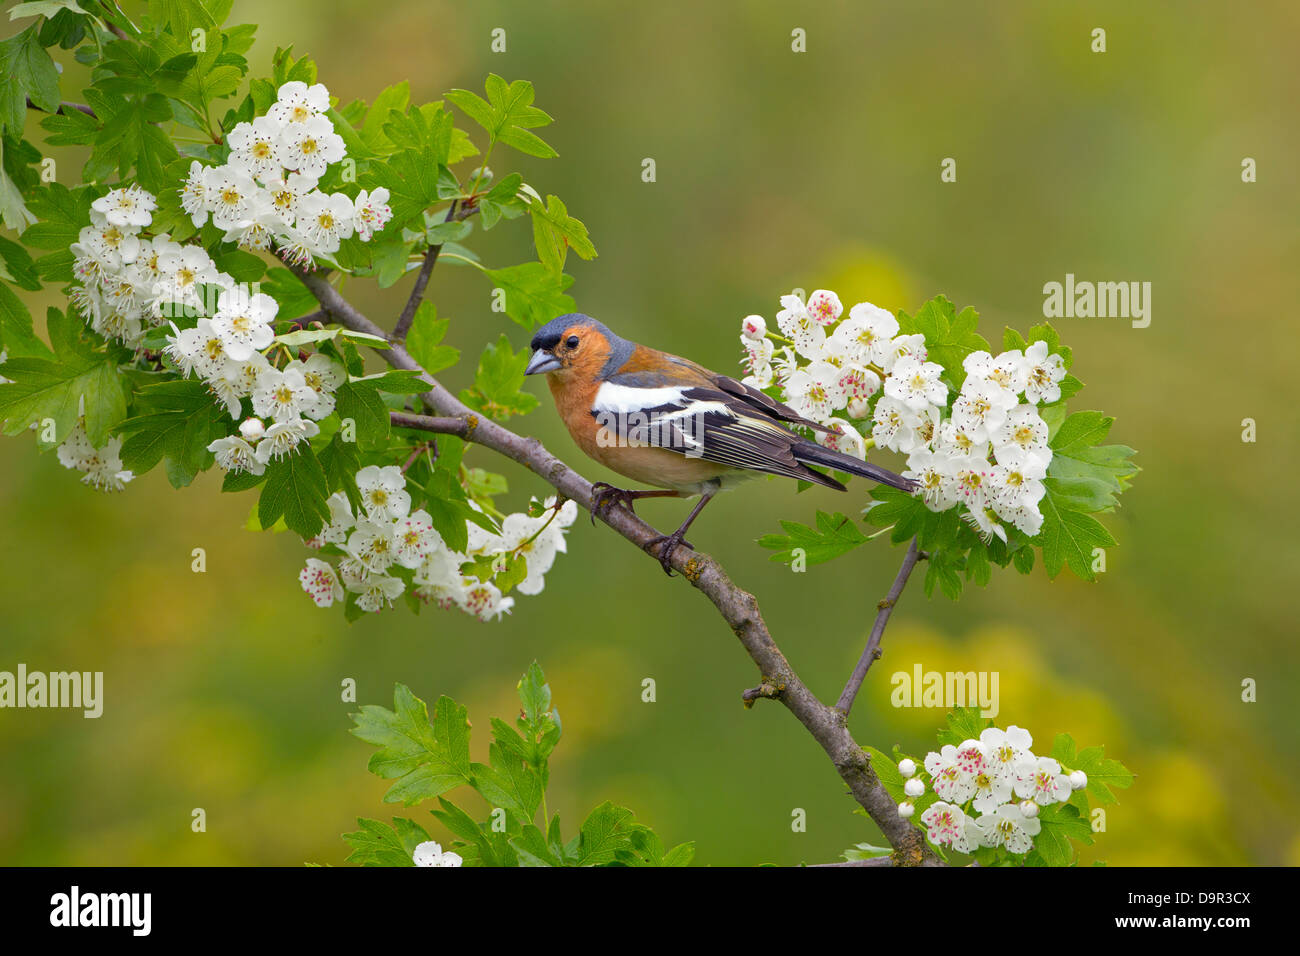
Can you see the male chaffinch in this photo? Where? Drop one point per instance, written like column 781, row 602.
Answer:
column 665, row 421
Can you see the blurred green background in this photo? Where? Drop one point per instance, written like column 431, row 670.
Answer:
column 775, row 170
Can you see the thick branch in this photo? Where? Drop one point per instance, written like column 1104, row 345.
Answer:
column 872, row 651
column 737, row 607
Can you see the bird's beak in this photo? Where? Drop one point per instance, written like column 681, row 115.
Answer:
column 542, row 361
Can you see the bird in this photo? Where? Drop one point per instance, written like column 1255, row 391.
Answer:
column 663, row 420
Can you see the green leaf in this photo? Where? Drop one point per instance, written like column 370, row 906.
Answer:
column 62, row 213
column 533, row 294
column 294, row 298
column 424, row 338
column 70, row 128
column 16, row 334
column 497, row 386
column 14, row 213
column 43, row 8
column 360, row 402
column 26, row 70
column 509, row 782
column 41, row 388
column 834, row 535
column 507, row 114
column 1103, row 773
column 449, row 510
column 555, row 232
column 241, row 266
column 341, row 462
column 296, row 490
column 396, row 97
column 949, row 337
column 964, row 723
column 378, row 845
column 606, row 830
column 533, row 849
column 1085, row 475
column 176, row 420
column 426, row 759
column 1061, row 823
column 534, row 694
column 397, row 381
column 132, row 139
column 1068, row 537
column 865, row 851
column 942, row 569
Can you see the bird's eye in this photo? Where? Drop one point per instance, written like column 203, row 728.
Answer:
column 572, row 342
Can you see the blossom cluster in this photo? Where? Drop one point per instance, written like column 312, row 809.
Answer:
column 984, row 449
column 101, row 467
column 990, row 791
column 385, row 534
column 430, row 853
column 265, row 194
column 128, row 283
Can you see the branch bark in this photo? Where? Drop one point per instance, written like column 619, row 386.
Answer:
column 421, row 281
column 63, row 108
column 883, row 610
column 737, row 607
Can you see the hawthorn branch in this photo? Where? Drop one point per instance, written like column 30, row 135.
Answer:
column 873, row 861
column 871, row 653
column 427, row 423
column 64, row 107
column 421, row 281
column 737, row 607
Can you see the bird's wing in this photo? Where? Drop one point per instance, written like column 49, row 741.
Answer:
column 705, row 421
column 764, row 403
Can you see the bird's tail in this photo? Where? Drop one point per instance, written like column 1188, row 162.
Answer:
column 810, row 453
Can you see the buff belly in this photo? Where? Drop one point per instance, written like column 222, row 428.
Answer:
column 658, row 466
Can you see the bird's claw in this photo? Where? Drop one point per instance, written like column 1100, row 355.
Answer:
column 604, row 495
column 668, row 543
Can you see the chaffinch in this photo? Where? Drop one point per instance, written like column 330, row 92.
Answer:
column 665, row 421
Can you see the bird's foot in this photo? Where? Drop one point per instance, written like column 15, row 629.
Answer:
column 604, row 496
column 668, row 543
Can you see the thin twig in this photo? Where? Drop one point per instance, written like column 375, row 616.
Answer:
column 872, row 651
column 421, row 281
column 64, row 107
column 736, row 606
column 763, row 690
column 427, row 423
column 873, row 861
column 303, row 321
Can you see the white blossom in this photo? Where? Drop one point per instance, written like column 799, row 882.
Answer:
column 235, row 454
column 321, row 582
column 1044, row 374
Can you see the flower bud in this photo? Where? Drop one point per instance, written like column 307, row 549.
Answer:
column 905, row 809
column 824, row 307
column 252, row 429
column 859, row 408
column 753, row 327
column 907, row 767
column 914, row 787
column 1029, row 808
column 1078, row 780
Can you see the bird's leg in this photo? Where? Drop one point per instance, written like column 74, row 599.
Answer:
column 604, row 495
column 668, row 542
